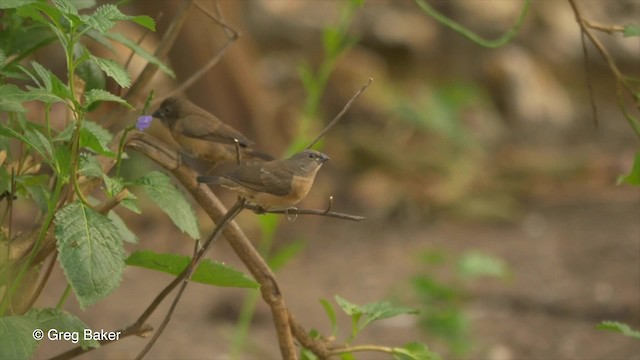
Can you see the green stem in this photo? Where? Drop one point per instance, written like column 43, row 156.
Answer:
column 63, row 298
column 6, row 300
column 495, row 43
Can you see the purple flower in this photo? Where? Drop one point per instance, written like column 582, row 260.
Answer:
column 143, row 122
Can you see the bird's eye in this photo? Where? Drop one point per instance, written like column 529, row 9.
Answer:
column 311, row 156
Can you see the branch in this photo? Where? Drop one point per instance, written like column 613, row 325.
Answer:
column 318, row 212
column 186, row 274
column 341, row 113
column 586, row 27
column 242, row 246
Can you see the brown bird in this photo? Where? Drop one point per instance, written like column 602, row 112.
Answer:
column 273, row 184
column 202, row 134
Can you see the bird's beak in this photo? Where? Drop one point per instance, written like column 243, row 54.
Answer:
column 324, row 158
column 156, row 114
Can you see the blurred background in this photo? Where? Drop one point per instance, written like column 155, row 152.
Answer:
column 489, row 190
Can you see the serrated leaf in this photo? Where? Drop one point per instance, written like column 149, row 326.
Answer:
column 61, row 321
column 16, row 337
column 92, row 75
column 208, row 272
column 114, row 186
column 633, row 177
column 126, row 234
column 65, row 6
column 90, row 252
column 631, row 30
column 371, row 312
column 11, row 94
column 161, row 190
column 474, row 264
column 36, row 139
column 43, row 74
column 36, row 187
column 89, row 166
column 9, row 132
column 114, row 70
column 96, row 138
column 140, row 52
column 83, row 4
column 95, row 95
column 619, row 327
column 62, row 159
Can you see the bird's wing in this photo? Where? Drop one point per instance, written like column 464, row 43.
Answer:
column 203, row 127
column 268, row 179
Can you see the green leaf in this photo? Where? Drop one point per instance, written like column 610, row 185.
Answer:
column 10, row 95
column 16, row 337
column 331, row 313
column 145, row 21
column 36, row 139
column 160, row 189
column 474, row 264
column 62, row 158
column 431, row 290
column 51, row 83
column 89, row 166
column 126, row 234
column 114, row 70
column 92, row 75
column 371, row 312
column 36, row 187
column 416, row 351
column 633, row 177
column 65, row 6
column 103, row 19
column 83, row 4
column 208, row 272
column 619, row 327
column 282, row 256
column 631, row 30
column 141, row 52
column 12, row 4
column 96, row 138
column 95, row 95
column 90, row 252
column 62, row 321
column 9, row 132
column 114, row 186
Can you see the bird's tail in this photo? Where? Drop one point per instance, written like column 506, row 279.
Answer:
column 215, row 180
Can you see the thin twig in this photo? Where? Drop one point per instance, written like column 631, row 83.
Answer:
column 620, row 78
column 231, row 33
column 341, row 113
column 186, row 275
column 318, row 212
column 140, row 84
column 197, row 75
column 609, row 29
column 43, row 282
column 592, row 99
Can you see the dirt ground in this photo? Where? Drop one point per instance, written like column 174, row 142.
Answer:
column 574, row 263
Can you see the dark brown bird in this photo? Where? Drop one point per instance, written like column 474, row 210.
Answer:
column 202, row 134
column 273, row 184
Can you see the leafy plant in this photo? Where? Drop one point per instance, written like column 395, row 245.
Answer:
column 86, row 235
column 442, row 313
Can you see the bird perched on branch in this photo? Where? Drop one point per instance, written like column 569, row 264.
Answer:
column 275, row 184
column 203, row 135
